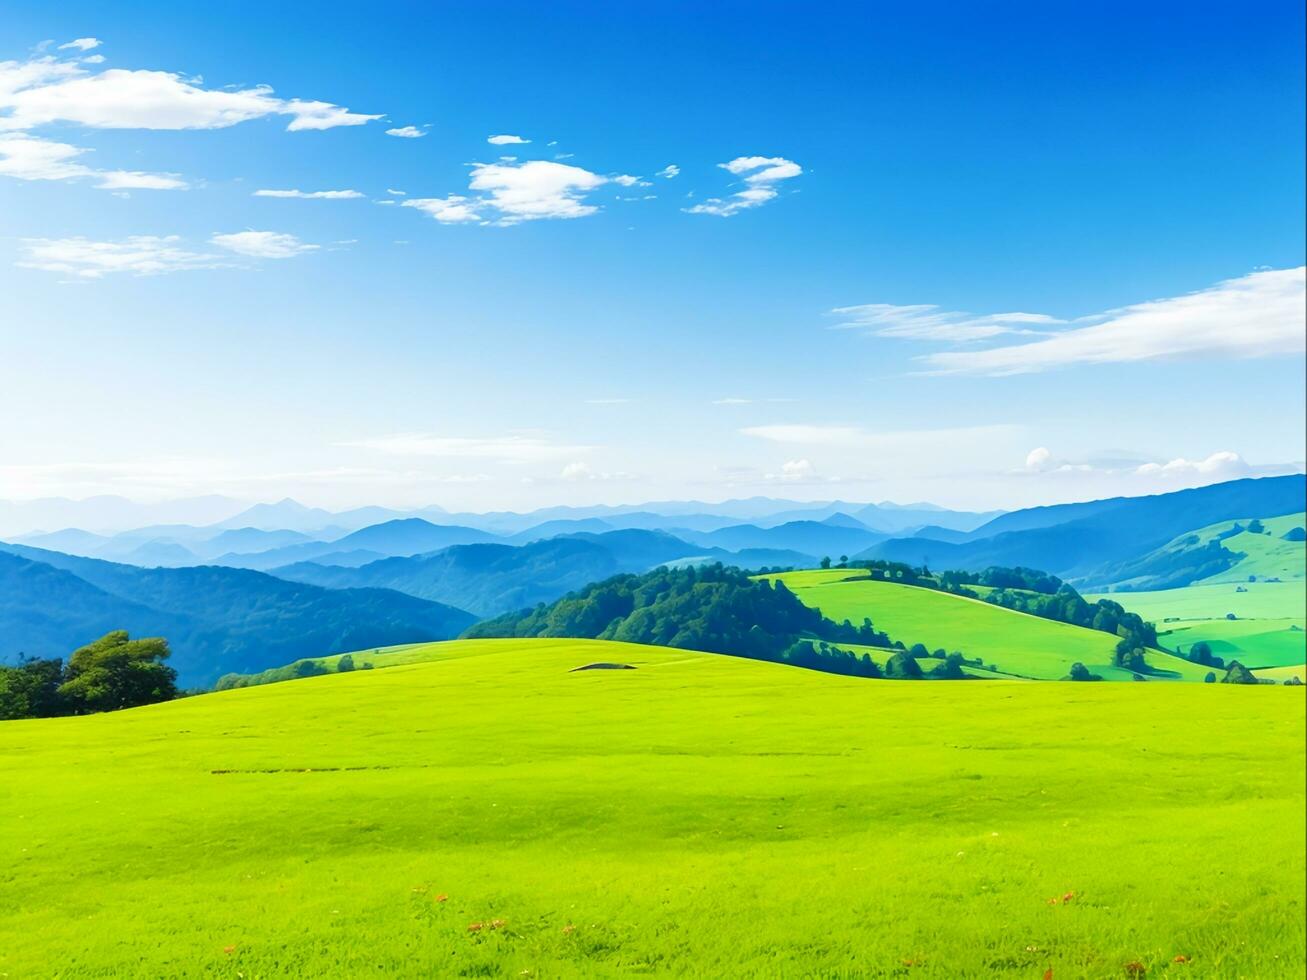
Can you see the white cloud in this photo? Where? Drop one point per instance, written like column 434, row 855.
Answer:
column 535, row 189
column 46, row 90
column 669, row 171
column 627, row 180
column 577, row 471
column 447, row 210
column 505, row 140
column 1038, row 459
column 311, row 195
column 31, row 158
column 406, row 132
column 94, row 59
column 82, row 44
column 733, row 401
column 513, row 193
column 1219, row 466
column 262, row 244
column 392, row 191
column 924, row 322
column 1257, row 315
column 141, row 255
column 507, row 449
column 796, row 469
column 764, row 173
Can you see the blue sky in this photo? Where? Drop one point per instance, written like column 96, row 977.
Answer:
column 568, row 334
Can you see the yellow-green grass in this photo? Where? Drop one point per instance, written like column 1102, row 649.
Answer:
column 1012, row 642
column 700, row 815
column 1268, row 630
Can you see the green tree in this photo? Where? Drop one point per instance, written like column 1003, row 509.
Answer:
column 345, row 663
column 903, row 667
column 1079, row 672
column 825, row 562
column 118, row 672
column 1238, row 674
column 31, row 690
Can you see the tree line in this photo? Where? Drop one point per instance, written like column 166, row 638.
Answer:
column 113, row 672
column 716, row 609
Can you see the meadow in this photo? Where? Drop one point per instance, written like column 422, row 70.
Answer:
column 1266, row 633
column 489, row 812
column 1013, row 642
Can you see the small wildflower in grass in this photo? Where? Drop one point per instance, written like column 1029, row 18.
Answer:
column 1135, row 969
column 229, row 949
column 1048, row 974
column 569, row 929
column 1180, row 958
column 442, row 897
column 1067, row 897
column 475, row 926
column 497, row 923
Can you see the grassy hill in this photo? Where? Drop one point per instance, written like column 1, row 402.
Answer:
column 699, row 815
column 1014, row 642
column 1243, row 550
column 1088, row 543
column 1267, row 630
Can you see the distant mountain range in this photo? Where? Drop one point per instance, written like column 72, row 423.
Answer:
column 242, row 594
column 489, row 579
column 218, row 620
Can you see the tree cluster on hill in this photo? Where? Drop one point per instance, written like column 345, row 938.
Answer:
column 714, row 608
column 1034, row 592
column 113, row 672
column 290, row 672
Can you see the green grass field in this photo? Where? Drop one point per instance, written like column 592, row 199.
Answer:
column 1014, row 642
column 700, row 815
column 1268, row 631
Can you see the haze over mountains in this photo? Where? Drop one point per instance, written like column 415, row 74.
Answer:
column 275, row 582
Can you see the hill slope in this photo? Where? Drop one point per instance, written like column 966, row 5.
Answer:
column 217, row 620
column 698, row 815
column 1084, row 541
column 1012, row 642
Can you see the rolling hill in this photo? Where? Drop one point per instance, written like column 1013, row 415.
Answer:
column 494, row 812
column 1086, row 542
column 217, row 620
column 1011, row 642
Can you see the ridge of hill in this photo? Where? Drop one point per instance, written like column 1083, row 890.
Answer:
column 217, row 620
column 1092, row 537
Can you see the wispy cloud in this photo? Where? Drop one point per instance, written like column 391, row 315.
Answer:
column 406, row 132
column 1257, row 315
column 764, row 174
column 81, row 44
column 931, row 323
column 311, row 195
column 140, row 255
column 25, row 157
column 668, row 172
column 505, row 139
column 262, row 244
